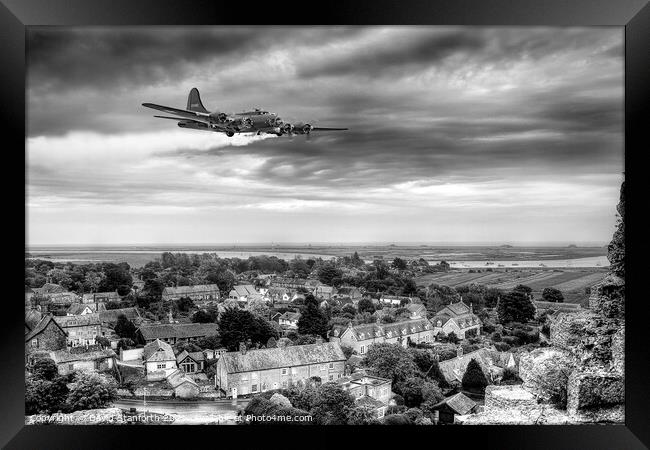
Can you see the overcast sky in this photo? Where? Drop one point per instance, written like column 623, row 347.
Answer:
column 468, row 134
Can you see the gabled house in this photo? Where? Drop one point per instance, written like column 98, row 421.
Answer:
column 360, row 337
column 278, row 295
column 323, row 291
column 244, row 293
column 68, row 361
column 457, row 318
column 47, row 334
column 200, row 293
column 159, row 360
column 417, row 310
column 458, row 404
column 492, row 363
column 101, row 297
column 184, row 386
column 173, row 333
column 253, row 371
column 81, row 330
column 289, row 320
column 80, row 309
column 368, row 390
column 191, row 362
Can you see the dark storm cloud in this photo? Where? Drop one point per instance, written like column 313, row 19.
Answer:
column 427, row 49
column 94, row 57
column 423, row 105
column 430, row 47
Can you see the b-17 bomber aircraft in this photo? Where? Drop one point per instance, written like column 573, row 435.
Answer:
column 195, row 116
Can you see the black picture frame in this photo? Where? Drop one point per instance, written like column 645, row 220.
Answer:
column 634, row 15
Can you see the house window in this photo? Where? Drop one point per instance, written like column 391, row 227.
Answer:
column 254, row 388
column 338, row 375
column 70, row 366
column 331, row 377
column 284, row 371
column 331, row 365
column 35, row 343
column 161, row 366
column 362, row 350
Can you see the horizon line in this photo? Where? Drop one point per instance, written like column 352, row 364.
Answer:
column 330, row 244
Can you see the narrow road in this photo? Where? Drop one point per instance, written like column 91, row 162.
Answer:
column 189, row 412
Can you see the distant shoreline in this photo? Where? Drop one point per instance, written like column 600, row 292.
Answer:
column 457, row 256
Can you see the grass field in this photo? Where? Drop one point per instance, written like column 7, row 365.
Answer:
column 571, row 282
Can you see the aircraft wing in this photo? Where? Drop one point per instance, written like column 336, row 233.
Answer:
column 180, row 119
column 327, row 129
column 180, row 112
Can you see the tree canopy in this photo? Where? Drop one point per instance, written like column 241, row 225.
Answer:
column 515, row 306
column 312, row 320
column 474, row 379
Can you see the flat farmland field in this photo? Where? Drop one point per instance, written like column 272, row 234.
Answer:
column 571, row 282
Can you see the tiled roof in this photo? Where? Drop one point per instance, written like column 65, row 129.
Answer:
column 453, row 369
column 32, row 317
column 456, row 309
column 78, row 321
column 151, row 351
column 186, row 290
column 244, row 290
column 77, row 308
column 290, row 315
column 417, row 308
column 63, row 297
column 460, row 403
column 42, row 325
column 177, row 377
column 63, row 356
column 178, row 330
column 90, row 298
column 196, row 356
column 271, row 358
column 324, row 289
column 390, row 330
column 111, row 315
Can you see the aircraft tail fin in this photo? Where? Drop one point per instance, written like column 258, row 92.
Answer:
column 194, row 102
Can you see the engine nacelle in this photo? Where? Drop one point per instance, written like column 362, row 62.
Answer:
column 288, row 128
column 306, row 129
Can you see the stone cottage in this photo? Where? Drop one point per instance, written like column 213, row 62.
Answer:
column 249, row 372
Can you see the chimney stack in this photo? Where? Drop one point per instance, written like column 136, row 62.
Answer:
column 242, row 348
column 319, row 340
column 459, row 351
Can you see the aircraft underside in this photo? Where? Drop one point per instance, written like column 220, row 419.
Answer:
column 230, row 131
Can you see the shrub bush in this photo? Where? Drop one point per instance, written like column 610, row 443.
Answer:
column 513, row 341
column 502, row 346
